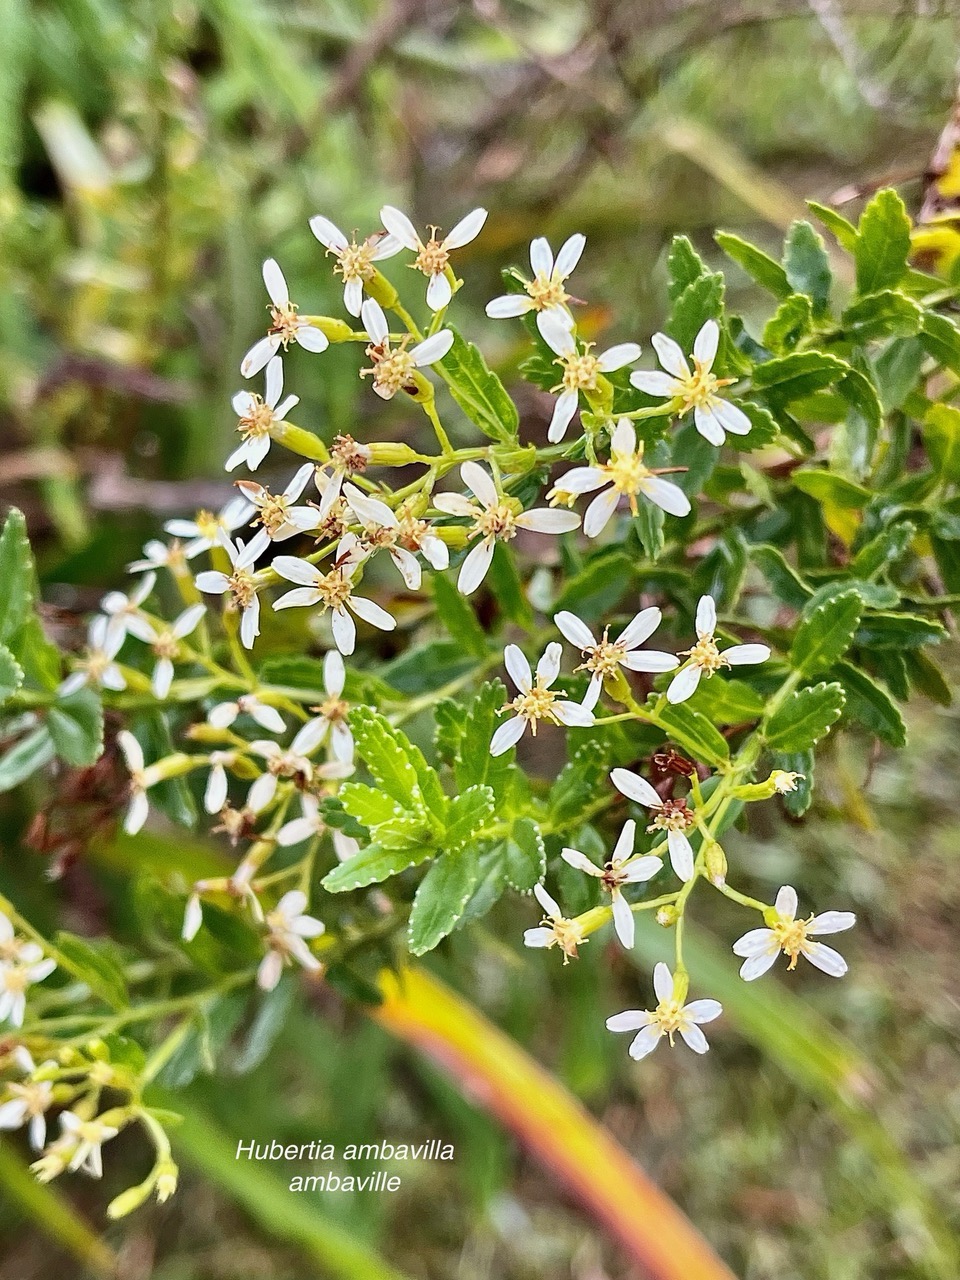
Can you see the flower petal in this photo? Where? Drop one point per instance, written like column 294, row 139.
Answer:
column 756, row 965
column 262, row 351
column 507, row 735
column 709, row 425
column 623, row 921
column 662, row 982
column 311, row 338
column 475, row 566
column 623, row 353
column 681, row 854
column 825, row 958
column 745, row 655
column 832, row 922
column 670, row 356
column 629, row 1020
column 563, row 411
column 694, row 1038
column 541, row 257
column 598, row 514
column 684, row 684
column 574, row 629
column 548, row 520
column 640, row 627
column 400, row 226
column 785, row 902
column 645, row 1041
column 705, row 343
column 569, row 254
column 635, row 788
column 574, row 858
column 276, row 284
column 328, row 233
column 433, row 348
column 654, row 383
column 518, row 668
column 439, row 292
column 467, row 229
column 667, row 496
column 509, row 305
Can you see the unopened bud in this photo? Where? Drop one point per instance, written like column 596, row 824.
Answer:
column 390, row 454
column 715, row 862
column 332, row 329
column 380, row 289
column 667, row 916
column 129, row 1200
column 167, row 1175
column 299, row 441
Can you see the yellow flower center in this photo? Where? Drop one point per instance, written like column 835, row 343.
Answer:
column 604, row 658
column 284, row 322
column 700, row 389
column 355, row 262
column 166, row 645
column 392, row 370
column 791, row 936
column 96, row 663
column 243, row 587
column 668, row 1016
column 332, row 708
column 289, row 766
column 626, row 472
column 432, row 258
column 257, row 421
column 536, row 704
column 706, row 656
column 335, row 588
column 673, row 816
column 567, row 935
column 497, row 522
column 546, row 291
column 272, row 512
column 580, row 371
column 16, row 980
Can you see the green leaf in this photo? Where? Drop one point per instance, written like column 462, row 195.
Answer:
column 807, row 266
column 16, row 577
column 829, row 487
column 844, row 232
column 886, row 314
column 787, row 584
column 791, row 321
column 524, row 858
column 692, row 731
column 479, row 392
column 467, row 815
column 940, row 338
column 410, row 831
column 600, row 586
column 684, row 265
column 864, row 420
column 757, row 264
column 898, row 631
column 25, row 757
column 474, row 763
column 804, row 718
column 799, row 374
column 871, row 705
column 702, row 300
column 457, row 615
column 441, row 898
column 727, row 701
column 883, row 550
column 427, row 667
column 269, row 1020
column 825, row 633
column 507, row 588
column 883, row 243
column 373, row 865
column 764, row 429
column 95, row 966
column 76, row 728
column 396, row 764
column 369, row 805
column 941, row 435
column 576, row 787
column 11, row 674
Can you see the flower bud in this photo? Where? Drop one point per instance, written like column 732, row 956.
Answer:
column 129, row 1200
column 332, row 329
column 715, row 862
column 299, row 441
column 167, row 1175
column 389, row 454
column 779, row 782
column 667, row 916
column 381, row 290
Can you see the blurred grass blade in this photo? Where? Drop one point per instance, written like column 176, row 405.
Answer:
column 278, row 1211
column 808, row 1050
column 52, row 1214
column 539, row 1111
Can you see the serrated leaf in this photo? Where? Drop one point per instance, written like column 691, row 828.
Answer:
column 467, row 815
column 858, row 440
column 757, row 264
column 692, row 731
column 373, row 865
column 804, row 718
column 479, row 719
column 799, row 374
column 441, row 898
column 397, row 765
column 825, row 633
column 412, row 831
column 479, row 392
column 16, row 577
column 871, row 705
column 368, row 804
column 95, row 966
column 883, row 550
column 727, row 701
column 886, row 314
column 828, row 486
column 843, row 230
column 11, row 674
column 684, row 265
column 700, row 301
column 576, row 786
column 76, row 728
column 524, row 856
column 940, row 338
column 883, row 243
column 941, row 435
column 25, row 757
column 898, row 631
column 807, row 266
column 791, row 321
column 787, row 584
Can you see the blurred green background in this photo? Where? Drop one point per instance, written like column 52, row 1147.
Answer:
column 152, row 153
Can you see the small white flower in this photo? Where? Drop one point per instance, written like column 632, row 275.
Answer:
column 581, row 369
column 14, row 949
column 89, row 1137
column 495, row 518
column 142, row 777
column 259, row 416
column 603, row 657
column 311, row 824
column 705, row 658
column 285, row 325
column 669, row 1017
column 555, row 930
column 393, row 368
column 671, row 816
column 27, row 1102
column 275, row 512
column 333, row 590
column 97, row 666
column 622, row 868
column 333, row 711
column 206, row 528
column 18, row 976
column 354, row 261
column 382, row 531
column 623, row 476
column 288, row 927
column 433, row 257
column 224, row 714
column 792, row 936
column 215, row 792
column 160, row 555
column 536, row 700
column 240, row 584
column 784, row 781
column 545, row 293
column 165, row 643
column 291, row 762
column 713, row 415
column 120, row 608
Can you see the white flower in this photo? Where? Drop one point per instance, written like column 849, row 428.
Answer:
column 141, row 779
column 121, row 608
column 705, row 658
column 288, row 927
column 259, row 416
column 626, row 477
column 165, row 643
column 333, row 711
column 545, row 293
column 495, row 518
column 223, row 714
column 669, row 1017
column 205, row 529
column 334, row 590
column 13, row 948
column 241, row 584
column 354, row 261
column 192, row 918
column 432, row 258
column 603, row 657
column 622, row 868
column 672, row 816
column 713, row 415
column 285, row 325
column 536, row 700
column 382, row 529
column 97, row 666
column 394, row 367
column 275, row 512
column 581, row 369
column 160, row 555
column 18, row 974
column 311, row 824
column 215, row 792
column 27, row 1101
column 291, row 762
column 555, row 930
column 89, row 1137
column 792, row 936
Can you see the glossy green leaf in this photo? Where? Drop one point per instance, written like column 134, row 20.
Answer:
column 441, row 898
column 757, row 264
column 11, row 674
column 941, row 435
column 373, row 865
column 28, row 754
column 825, row 632
column 479, row 392
column 694, row 733
column 807, row 266
column 870, row 705
column 804, row 718
column 799, row 374
column 883, row 243
column 76, row 728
